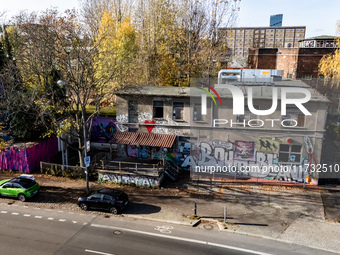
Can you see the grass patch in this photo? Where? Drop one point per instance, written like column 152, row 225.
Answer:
column 106, row 110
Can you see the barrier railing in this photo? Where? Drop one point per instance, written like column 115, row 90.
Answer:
column 61, row 170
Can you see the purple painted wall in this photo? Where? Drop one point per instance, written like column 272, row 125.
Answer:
column 103, row 128
column 26, row 160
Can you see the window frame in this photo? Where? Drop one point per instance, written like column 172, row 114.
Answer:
column 132, row 119
column 197, row 106
column 175, row 113
column 154, row 109
column 295, row 114
column 248, row 115
column 290, row 153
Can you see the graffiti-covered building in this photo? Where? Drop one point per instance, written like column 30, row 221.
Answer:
column 239, row 128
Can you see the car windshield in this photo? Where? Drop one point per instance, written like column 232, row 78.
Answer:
column 25, row 183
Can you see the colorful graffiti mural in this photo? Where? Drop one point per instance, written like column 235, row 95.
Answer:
column 179, row 159
column 146, row 152
column 103, row 129
column 27, row 159
column 229, row 157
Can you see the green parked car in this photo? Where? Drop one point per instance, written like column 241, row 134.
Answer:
column 19, row 187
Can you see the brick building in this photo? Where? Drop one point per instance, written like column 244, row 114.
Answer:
column 296, row 63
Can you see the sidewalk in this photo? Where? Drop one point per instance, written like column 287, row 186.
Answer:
column 284, row 213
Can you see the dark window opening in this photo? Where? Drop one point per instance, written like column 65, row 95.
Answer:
column 158, row 109
column 177, row 112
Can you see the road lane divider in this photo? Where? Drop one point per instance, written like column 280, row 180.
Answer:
column 184, row 239
column 98, row 252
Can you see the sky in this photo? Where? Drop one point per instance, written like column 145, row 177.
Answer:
column 319, row 17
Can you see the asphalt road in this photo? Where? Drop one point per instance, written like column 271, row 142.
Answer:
column 29, row 230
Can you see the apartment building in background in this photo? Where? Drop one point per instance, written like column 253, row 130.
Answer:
column 240, row 39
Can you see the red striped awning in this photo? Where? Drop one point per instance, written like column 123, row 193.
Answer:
column 153, row 140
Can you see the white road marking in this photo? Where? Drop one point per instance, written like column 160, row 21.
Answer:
column 48, row 210
column 27, row 215
column 71, row 212
column 164, row 229
column 36, row 208
column 15, row 213
column 38, row 216
column 61, row 211
column 74, row 221
column 14, row 205
column 25, row 206
column 50, row 218
column 99, row 252
column 62, row 220
column 4, row 211
column 182, row 239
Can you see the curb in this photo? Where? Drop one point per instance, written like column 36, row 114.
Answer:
column 222, row 229
column 196, row 223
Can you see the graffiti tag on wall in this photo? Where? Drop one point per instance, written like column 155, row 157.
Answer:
column 146, row 117
column 129, row 179
column 221, row 155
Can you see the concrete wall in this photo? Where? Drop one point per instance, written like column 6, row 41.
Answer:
column 205, row 133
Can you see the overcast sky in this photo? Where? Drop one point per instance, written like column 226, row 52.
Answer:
column 319, row 17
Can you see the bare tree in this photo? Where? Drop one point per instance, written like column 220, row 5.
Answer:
column 51, row 47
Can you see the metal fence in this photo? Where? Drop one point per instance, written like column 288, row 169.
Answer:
column 132, row 167
column 60, row 170
column 73, row 171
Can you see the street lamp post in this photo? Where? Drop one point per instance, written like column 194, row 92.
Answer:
column 62, row 83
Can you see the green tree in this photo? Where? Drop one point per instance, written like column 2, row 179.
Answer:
column 117, row 50
column 52, row 47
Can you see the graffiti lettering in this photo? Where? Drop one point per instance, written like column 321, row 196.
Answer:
column 126, row 179
column 220, row 155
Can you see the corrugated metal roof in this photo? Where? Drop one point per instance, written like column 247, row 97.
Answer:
column 154, row 140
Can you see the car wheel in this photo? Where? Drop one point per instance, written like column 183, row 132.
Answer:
column 113, row 210
column 22, row 197
column 83, row 206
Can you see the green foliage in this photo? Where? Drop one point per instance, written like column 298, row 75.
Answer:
column 117, row 50
column 329, row 65
column 105, row 110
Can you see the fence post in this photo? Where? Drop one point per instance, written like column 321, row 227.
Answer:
column 136, row 167
column 225, row 214
column 195, row 208
column 41, row 171
column 102, row 164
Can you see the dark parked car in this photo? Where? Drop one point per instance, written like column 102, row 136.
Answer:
column 111, row 200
